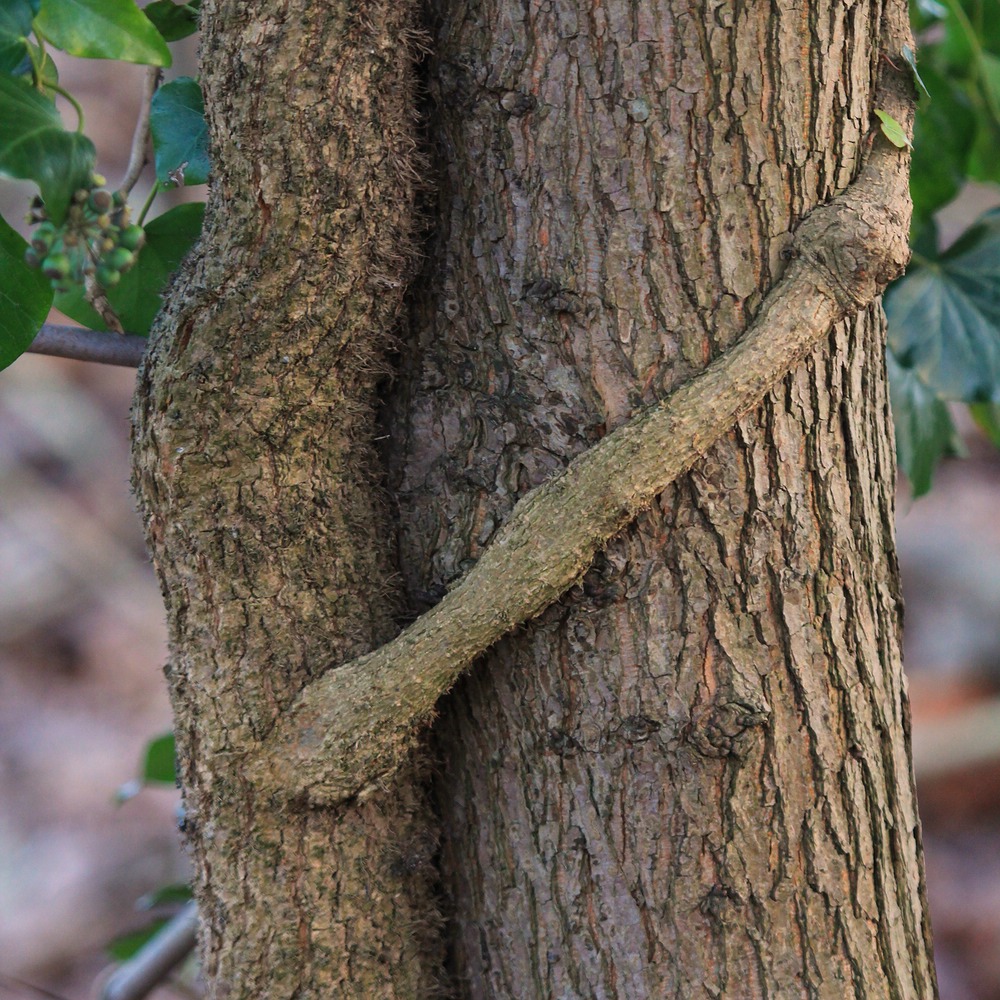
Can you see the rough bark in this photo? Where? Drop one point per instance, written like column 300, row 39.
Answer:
column 351, row 727
column 258, row 478
column 689, row 778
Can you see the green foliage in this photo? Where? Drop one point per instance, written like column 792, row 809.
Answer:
column 85, row 245
column 180, row 132
column 942, row 141
column 173, row 20
column 136, row 296
column 35, row 146
column 924, row 431
column 25, row 297
column 944, row 313
column 102, row 29
column 158, row 767
column 944, row 316
column 892, row 130
column 166, row 895
column 15, row 26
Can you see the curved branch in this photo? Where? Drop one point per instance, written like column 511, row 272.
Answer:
column 79, row 344
column 352, row 726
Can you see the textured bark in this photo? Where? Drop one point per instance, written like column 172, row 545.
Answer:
column 689, row 778
column 351, row 728
column 257, row 474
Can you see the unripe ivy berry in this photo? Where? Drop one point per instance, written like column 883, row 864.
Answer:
column 43, row 237
column 100, row 201
column 107, row 277
column 120, row 259
column 56, row 266
column 31, row 258
column 132, row 238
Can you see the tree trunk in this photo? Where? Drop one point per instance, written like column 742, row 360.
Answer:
column 688, row 778
column 260, row 484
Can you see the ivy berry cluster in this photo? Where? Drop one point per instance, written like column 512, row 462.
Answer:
column 96, row 240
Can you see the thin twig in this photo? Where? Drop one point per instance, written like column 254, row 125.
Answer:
column 79, row 344
column 140, row 140
column 156, row 959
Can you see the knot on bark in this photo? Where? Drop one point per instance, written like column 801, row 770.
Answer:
column 854, row 245
column 721, row 730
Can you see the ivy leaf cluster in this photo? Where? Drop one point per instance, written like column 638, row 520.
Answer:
column 84, row 243
column 944, row 313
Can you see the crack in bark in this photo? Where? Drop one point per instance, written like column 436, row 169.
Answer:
column 350, row 728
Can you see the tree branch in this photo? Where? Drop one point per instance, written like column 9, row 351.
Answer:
column 156, row 959
column 352, row 726
column 79, row 344
column 140, row 139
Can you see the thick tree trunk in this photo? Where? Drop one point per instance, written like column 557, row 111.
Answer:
column 690, row 778
column 258, row 477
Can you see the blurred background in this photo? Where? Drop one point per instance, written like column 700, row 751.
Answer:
column 82, row 636
column 82, row 648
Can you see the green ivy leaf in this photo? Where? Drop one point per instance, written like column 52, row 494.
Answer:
column 34, row 146
column 158, row 765
column 25, row 297
column 892, row 130
column 924, row 431
column 179, row 131
column 136, row 298
column 102, row 29
column 944, row 316
column 943, row 133
column 15, row 26
column 173, row 20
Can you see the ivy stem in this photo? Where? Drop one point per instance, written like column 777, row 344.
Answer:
column 38, row 65
column 153, row 192
column 140, row 139
column 72, row 100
